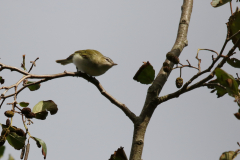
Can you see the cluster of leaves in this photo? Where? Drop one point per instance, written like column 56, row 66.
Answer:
column 224, row 83
column 17, row 137
column 227, row 83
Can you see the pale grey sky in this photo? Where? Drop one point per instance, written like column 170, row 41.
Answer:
column 87, row 126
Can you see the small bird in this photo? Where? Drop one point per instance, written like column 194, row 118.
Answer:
column 89, row 61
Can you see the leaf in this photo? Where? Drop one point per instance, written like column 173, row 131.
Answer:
column 230, row 155
column 217, row 3
column 233, row 26
column 119, row 155
column 16, row 141
column 11, row 128
column 41, row 108
column 145, row 74
column 33, row 87
column 227, row 81
column 237, row 115
column 43, row 144
column 1, row 80
column 23, row 104
column 2, row 149
column 220, row 91
column 234, row 62
column 41, row 115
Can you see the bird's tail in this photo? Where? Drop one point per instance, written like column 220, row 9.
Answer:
column 65, row 61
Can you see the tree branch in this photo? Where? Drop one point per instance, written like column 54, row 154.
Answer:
column 181, row 42
column 45, row 78
column 155, row 102
column 154, row 90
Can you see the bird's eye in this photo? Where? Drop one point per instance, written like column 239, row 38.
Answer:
column 108, row 59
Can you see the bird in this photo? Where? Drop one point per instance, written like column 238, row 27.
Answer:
column 89, row 61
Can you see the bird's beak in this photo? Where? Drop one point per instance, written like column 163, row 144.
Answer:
column 115, row 64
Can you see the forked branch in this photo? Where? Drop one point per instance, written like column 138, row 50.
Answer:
column 45, row 78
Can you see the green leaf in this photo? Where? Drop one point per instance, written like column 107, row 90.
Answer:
column 16, row 141
column 234, row 62
column 23, row 104
column 43, row 144
column 41, row 108
column 33, row 87
column 2, row 149
column 227, row 81
column 145, row 74
column 217, row 3
column 220, row 91
column 41, row 115
column 234, row 26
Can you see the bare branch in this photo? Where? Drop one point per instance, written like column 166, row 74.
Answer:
column 185, row 89
column 45, row 78
column 2, row 103
column 231, row 7
column 181, row 42
column 189, row 65
column 154, row 90
column 33, row 64
column 213, row 84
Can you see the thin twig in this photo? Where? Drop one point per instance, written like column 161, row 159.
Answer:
column 27, row 151
column 214, row 84
column 18, row 108
column 207, row 50
column 2, row 102
column 228, row 39
column 33, row 64
column 189, row 65
column 209, row 68
column 45, row 78
column 155, row 102
column 213, row 58
column 231, row 7
column 237, row 75
column 180, row 72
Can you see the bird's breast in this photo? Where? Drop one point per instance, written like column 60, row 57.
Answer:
column 86, row 66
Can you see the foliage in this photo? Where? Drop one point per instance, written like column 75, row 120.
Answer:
column 224, row 83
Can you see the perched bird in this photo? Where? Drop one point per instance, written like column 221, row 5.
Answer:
column 89, row 61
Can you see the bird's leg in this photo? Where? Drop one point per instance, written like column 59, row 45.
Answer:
column 77, row 70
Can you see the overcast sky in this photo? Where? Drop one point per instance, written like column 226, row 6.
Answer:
column 197, row 125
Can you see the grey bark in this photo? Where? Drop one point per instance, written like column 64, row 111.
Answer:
column 141, row 122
